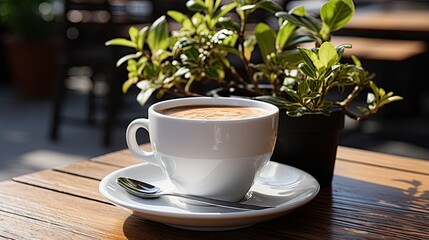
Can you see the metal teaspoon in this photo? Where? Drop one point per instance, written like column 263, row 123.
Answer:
column 148, row 191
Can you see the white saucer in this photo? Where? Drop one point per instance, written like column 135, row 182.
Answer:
column 279, row 185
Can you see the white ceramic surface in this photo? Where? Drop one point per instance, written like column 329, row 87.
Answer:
column 213, row 158
column 281, row 186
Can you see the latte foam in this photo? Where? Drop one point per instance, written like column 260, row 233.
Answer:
column 215, row 112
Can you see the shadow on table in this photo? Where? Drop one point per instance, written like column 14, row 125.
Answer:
column 350, row 208
column 413, row 198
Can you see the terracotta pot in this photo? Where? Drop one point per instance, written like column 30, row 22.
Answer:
column 33, row 66
column 309, row 142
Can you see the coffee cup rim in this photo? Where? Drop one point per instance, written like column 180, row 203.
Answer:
column 207, row 101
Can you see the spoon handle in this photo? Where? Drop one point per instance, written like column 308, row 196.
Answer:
column 216, row 202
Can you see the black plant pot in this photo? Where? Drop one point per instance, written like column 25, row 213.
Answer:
column 308, row 142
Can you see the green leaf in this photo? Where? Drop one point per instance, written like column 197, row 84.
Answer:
column 311, row 58
column 161, row 55
column 298, row 11
column 291, row 57
column 197, row 19
column 127, row 84
column 325, row 111
column 309, row 24
column 340, row 49
column 266, row 39
column 141, row 38
column 181, row 71
column 314, row 22
column 303, row 88
column 248, row 7
column 134, row 33
column 181, row 18
column 229, row 24
column 297, row 112
column 394, row 98
column 132, row 65
column 307, row 70
column 337, row 13
column 211, row 73
column 313, row 95
column 224, row 10
column 328, row 54
column 126, row 58
column 370, row 98
column 121, row 42
column 374, row 89
column 177, row 16
column 297, row 39
column 278, row 101
column 196, row 5
column 283, row 35
column 291, row 18
column 146, row 92
column 209, row 5
column 249, row 45
column 270, row 6
column 158, row 38
column 292, row 94
column 356, row 61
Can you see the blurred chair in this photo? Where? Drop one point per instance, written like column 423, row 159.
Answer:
column 87, row 64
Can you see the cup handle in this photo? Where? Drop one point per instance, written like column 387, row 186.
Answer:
column 132, row 140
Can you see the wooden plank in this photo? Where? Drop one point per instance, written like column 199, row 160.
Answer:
column 89, row 169
column 329, row 217
column 405, row 20
column 44, row 212
column 64, row 183
column 383, row 160
column 367, row 201
column 121, row 158
column 383, row 176
column 89, row 218
column 14, row 226
column 348, row 220
column 387, row 186
column 380, row 49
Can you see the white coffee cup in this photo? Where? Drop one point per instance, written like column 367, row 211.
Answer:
column 212, row 158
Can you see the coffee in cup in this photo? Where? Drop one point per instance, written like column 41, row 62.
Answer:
column 212, row 147
column 214, row 112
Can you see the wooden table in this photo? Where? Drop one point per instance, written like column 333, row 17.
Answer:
column 373, row 196
column 410, row 24
column 375, row 49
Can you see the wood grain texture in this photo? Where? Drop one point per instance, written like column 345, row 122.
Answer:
column 405, row 20
column 369, row 199
column 121, row 158
column 89, row 169
column 64, row 183
column 383, row 160
column 76, row 216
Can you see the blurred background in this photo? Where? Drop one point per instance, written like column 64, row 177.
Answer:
column 60, row 91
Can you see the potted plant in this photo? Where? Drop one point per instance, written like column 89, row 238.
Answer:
column 210, row 50
column 31, row 49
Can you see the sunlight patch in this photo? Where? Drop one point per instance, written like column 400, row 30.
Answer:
column 45, row 159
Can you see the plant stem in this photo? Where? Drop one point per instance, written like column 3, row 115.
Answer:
column 242, row 51
column 351, row 96
column 343, row 104
column 354, row 115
